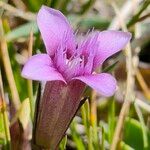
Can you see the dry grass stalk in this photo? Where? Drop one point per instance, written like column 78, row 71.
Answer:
column 143, row 85
column 5, row 114
column 129, row 88
column 17, row 12
column 125, row 12
column 29, row 82
column 8, row 70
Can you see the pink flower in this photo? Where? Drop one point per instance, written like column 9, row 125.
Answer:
column 68, row 61
column 67, row 67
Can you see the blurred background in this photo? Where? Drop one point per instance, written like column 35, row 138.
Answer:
column 119, row 122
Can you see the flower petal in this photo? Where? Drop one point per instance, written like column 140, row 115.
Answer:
column 88, row 49
column 54, row 29
column 103, row 83
column 110, row 42
column 40, row 67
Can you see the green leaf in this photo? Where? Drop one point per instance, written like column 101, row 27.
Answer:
column 143, row 126
column 125, row 146
column 63, row 143
column 22, row 31
column 111, row 67
column 20, row 82
column 85, row 112
column 133, row 135
column 34, row 5
column 76, row 136
column 111, row 119
column 135, row 18
column 2, row 130
column 94, row 22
